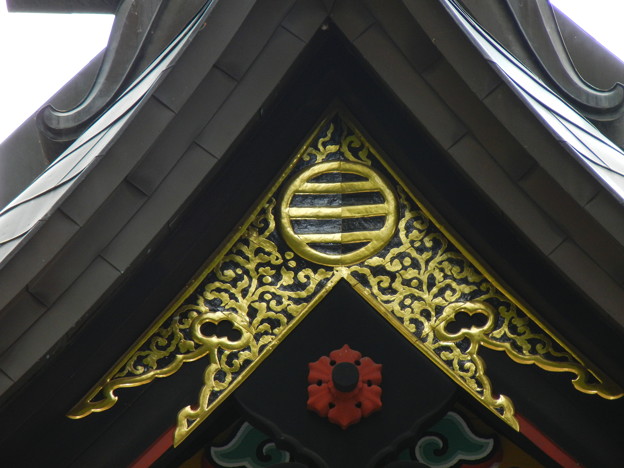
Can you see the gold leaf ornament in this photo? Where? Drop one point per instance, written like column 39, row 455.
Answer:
column 386, row 245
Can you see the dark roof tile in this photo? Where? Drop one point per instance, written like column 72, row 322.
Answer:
column 252, row 37
column 177, row 137
column 5, row 382
column 142, row 132
column 578, row 224
column 41, row 247
column 258, row 83
column 37, row 341
column 87, row 243
column 170, row 196
column 410, row 88
column 499, row 143
column 401, row 27
column 8, row 248
column 200, row 56
column 17, row 222
column 464, row 57
column 131, row 146
column 511, row 200
column 591, row 278
column 17, row 317
column 604, row 208
column 305, row 18
column 352, row 17
column 577, row 181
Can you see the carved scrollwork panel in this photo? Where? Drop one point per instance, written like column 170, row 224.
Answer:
column 340, row 212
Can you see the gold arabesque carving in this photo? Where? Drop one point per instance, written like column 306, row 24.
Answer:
column 267, row 279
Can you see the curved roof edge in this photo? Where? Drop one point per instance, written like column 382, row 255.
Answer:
column 21, row 218
column 603, row 158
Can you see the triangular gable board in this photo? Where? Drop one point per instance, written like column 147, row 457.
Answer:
column 339, row 212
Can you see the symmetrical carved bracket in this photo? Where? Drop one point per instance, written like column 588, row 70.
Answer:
column 266, row 280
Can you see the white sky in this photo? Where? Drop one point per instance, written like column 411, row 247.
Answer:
column 39, row 53
column 600, row 18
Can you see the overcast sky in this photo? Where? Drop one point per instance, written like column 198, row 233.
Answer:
column 39, row 53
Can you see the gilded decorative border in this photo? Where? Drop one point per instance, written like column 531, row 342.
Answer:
column 257, row 289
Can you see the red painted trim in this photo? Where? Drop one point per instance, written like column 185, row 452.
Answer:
column 545, row 444
column 155, row 451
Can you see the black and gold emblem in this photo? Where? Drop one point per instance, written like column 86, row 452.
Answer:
column 339, row 213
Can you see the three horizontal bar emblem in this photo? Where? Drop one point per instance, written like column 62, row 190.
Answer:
column 338, row 213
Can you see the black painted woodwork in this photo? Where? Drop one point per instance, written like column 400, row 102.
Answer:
column 415, row 393
column 345, row 376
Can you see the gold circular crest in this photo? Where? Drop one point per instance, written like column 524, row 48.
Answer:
column 338, row 213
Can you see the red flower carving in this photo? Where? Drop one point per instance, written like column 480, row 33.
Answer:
column 344, row 393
